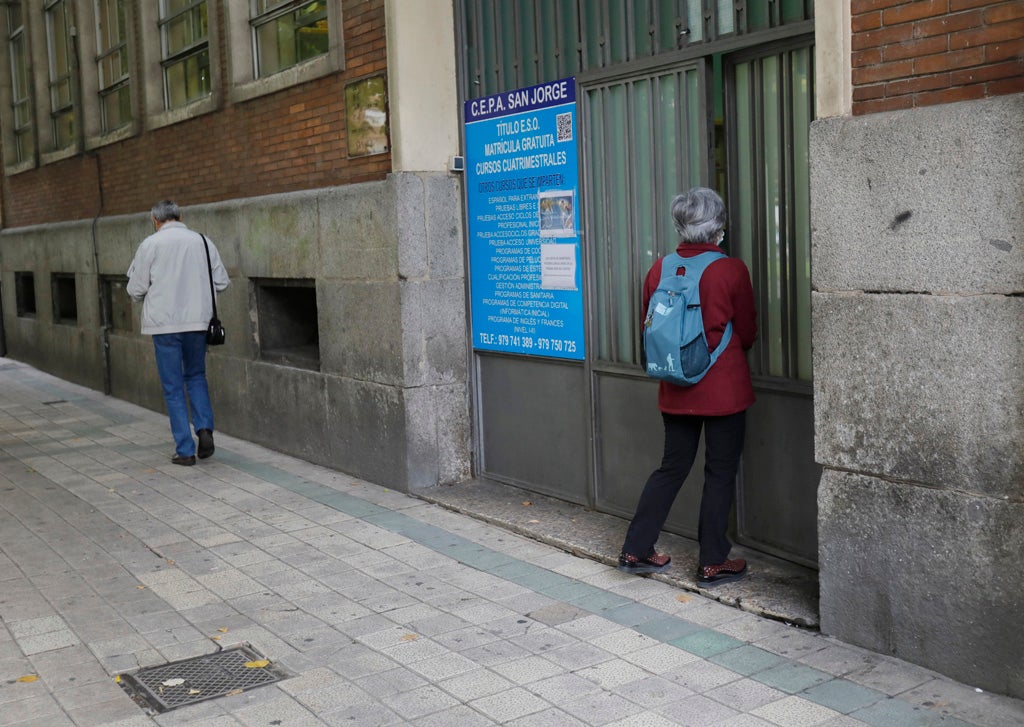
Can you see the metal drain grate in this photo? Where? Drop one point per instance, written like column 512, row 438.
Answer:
column 181, row 683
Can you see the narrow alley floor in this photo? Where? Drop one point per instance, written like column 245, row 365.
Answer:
column 364, row 606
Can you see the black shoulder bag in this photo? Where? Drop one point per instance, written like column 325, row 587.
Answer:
column 215, row 333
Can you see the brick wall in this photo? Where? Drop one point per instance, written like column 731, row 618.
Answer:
column 910, row 53
column 287, row 141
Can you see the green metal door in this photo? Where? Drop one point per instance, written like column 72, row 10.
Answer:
column 646, row 138
column 769, row 108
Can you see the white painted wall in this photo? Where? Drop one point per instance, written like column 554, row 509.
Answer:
column 832, row 48
column 422, row 95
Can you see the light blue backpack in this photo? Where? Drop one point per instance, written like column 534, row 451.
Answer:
column 674, row 341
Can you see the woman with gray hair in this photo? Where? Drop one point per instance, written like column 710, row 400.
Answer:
column 716, row 404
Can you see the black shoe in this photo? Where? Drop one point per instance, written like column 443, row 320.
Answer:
column 183, row 461
column 205, row 443
column 654, row 563
column 730, row 570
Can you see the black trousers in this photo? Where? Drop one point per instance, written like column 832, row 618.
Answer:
column 723, row 446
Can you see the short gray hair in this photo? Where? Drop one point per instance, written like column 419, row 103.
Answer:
column 166, row 210
column 698, row 215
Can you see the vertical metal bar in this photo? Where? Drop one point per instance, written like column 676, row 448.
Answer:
column 577, row 28
column 758, row 238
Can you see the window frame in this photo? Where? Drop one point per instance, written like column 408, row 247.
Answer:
column 56, row 77
column 155, row 113
column 12, row 132
column 92, row 112
column 101, row 54
column 242, row 63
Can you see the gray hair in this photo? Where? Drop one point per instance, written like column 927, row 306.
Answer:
column 166, row 210
column 698, row 215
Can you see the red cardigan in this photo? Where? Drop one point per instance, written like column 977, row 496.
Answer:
column 725, row 294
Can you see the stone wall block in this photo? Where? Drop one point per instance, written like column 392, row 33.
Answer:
column 922, row 388
column 437, row 421
column 366, row 430
column 279, row 238
column 411, row 216
column 929, row 576
column 358, row 232
column 284, row 408
column 925, row 200
column 434, row 332
column 361, row 330
column 446, row 253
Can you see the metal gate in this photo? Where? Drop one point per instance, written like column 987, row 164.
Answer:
column 672, row 94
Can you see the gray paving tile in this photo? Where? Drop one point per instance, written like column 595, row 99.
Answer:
column 509, row 704
column 598, row 708
column 697, row 710
column 421, row 702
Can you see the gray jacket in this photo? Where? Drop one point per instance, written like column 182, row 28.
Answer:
column 169, row 276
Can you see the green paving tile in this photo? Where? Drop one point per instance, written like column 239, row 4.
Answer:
column 600, row 602
column 843, row 696
column 394, row 521
column 792, row 678
column 747, row 660
column 444, row 542
column 706, row 643
column 667, row 628
column 632, row 614
column 568, row 591
column 478, row 557
column 529, row 575
column 890, row 712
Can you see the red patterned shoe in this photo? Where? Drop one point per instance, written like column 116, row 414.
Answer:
column 730, row 570
column 654, row 563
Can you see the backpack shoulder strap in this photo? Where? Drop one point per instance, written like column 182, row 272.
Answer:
column 697, row 264
column 670, row 263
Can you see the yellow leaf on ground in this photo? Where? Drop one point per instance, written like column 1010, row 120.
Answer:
column 215, row 638
column 409, row 637
column 141, row 588
column 257, row 664
column 223, row 629
column 195, row 691
column 28, row 678
column 233, row 692
column 683, row 598
column 117, row 679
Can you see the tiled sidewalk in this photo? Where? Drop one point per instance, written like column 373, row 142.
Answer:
column 385, row 608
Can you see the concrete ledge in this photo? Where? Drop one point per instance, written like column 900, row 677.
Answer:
column 774, row 589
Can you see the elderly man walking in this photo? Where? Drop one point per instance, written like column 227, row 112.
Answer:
column 169, row 276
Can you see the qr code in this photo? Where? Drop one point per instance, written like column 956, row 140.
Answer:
column 564, row 122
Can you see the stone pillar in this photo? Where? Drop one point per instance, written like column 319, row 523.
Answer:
column 918, row 327
column 424, row 129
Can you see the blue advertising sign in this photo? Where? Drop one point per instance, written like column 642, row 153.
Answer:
column 522, row 189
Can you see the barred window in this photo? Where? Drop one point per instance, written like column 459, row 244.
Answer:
column 185, row 51
column 288, row 32
column 21, row 102
column 113, row 64
column 60, row 51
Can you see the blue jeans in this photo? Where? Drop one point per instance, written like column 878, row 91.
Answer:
column 181, row 363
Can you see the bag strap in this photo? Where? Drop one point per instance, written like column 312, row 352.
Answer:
column 209, row 269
